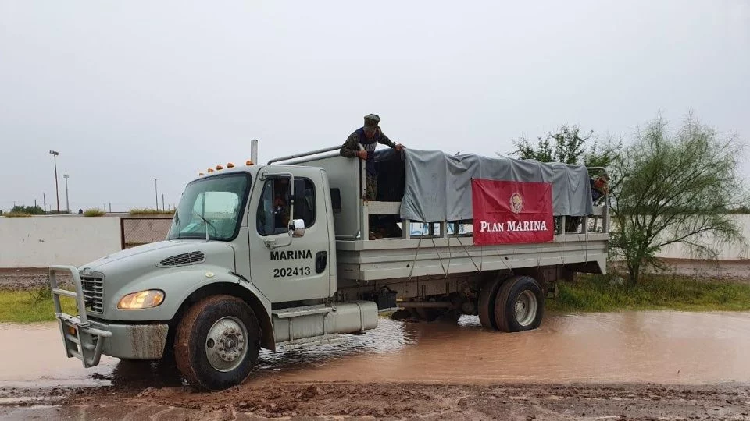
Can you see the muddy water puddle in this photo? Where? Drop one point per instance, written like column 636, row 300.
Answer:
column 659, row 347
column 32, row 355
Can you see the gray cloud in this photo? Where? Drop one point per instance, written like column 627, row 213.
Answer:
column 131, row 91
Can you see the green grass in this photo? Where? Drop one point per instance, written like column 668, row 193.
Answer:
column 30, row 306
column 588, row 294
column 602, row 294
column 17, row 215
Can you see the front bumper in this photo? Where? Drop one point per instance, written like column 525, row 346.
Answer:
column 88, row 340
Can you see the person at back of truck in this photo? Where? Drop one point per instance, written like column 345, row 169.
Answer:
column 599, row 187
column 368, row 136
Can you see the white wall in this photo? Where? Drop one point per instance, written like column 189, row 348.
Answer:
column 44, row 241
column 73, row 240
column 732, row 251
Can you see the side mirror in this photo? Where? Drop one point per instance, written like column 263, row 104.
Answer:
column 297, row 228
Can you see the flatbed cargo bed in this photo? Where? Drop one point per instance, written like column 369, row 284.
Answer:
column 442, row 250
column 371, row 260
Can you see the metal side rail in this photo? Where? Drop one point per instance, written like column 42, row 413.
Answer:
column 79, row 338
column 304, row 154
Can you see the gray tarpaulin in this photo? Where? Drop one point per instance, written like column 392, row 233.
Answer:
column 438, row 186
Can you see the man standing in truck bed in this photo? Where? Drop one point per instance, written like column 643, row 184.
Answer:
column 368, row 136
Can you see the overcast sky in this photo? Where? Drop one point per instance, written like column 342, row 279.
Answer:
column 129, row 91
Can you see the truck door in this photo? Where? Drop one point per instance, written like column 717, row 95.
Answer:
column 300, row 270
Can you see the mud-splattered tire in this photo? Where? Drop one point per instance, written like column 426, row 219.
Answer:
column 519, row 305
column 486, row 304
column 217, row 342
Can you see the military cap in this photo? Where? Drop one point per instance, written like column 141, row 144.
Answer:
column 372, row 120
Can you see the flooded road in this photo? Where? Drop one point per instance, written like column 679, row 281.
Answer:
column 632, row 347
column 629, row 347
column 32, row 355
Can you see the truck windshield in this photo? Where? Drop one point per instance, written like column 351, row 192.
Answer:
column 215, row 204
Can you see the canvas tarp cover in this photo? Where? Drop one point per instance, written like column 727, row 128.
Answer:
column 438, row 186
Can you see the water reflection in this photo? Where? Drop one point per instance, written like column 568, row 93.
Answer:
column 660, row 347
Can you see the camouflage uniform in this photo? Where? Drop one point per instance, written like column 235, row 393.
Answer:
column 371, row 187
column 350, row 148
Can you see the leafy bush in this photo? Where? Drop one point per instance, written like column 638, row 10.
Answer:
column 30, row 210
column 674, row 187
column 742, row 210
column 93, row 212
column 151, row 212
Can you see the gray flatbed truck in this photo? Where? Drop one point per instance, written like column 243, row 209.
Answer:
column 241, row 270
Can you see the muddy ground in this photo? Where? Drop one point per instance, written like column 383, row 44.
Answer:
column 630, row 365
column 26, row 278
column 392, row 401
column 728, row 270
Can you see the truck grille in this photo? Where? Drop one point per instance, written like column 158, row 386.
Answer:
column 93, row 293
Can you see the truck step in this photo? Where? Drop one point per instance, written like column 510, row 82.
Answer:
column 302, row 311
column 306, row 342
column 315, row 322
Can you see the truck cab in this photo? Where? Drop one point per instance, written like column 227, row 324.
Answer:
column 248, row 262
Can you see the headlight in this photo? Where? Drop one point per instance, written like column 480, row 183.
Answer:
column 140, row 300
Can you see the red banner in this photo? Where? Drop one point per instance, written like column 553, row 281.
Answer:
column 512, row 212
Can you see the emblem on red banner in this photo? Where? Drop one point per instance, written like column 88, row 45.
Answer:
column 516, row 203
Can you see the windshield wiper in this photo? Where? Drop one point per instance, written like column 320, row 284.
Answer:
column 177, row 223
column 208, row 223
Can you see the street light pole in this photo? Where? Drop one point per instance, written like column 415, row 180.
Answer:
column 156, row 195
column 57, row 191
column 67, row 201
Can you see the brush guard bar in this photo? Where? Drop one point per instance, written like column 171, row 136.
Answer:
column 80, row 339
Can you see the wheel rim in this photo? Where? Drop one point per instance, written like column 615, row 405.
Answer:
column 226, row 344
column 526, row 307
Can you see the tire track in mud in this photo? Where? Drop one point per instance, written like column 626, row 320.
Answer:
column 402, row 401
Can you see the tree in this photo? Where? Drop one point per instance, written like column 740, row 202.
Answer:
column 674, row 188
column 569, row 146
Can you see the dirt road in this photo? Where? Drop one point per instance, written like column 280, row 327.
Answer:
column 400, row 401
column 23, row 278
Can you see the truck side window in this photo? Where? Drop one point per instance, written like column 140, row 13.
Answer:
column 336, row 200
column 273, row 209
column 304, row 206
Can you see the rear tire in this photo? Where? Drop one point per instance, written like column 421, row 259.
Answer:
column 519, row 305
column 486, row 304
column 217, row 342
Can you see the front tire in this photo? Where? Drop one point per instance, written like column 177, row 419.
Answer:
column 519, row 305
column 217, row 342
